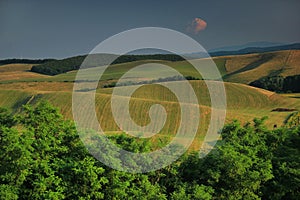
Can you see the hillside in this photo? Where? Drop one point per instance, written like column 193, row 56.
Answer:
column 255, row 48
column 18, row 72
column 20, row 86
column 239, row 68
column 244, row 104
column 68, row 64
column 248, row 68
column 54, row 67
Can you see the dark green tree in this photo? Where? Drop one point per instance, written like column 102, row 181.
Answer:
column 285, row 145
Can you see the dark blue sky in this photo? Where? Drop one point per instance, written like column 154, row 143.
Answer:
column 39, row 29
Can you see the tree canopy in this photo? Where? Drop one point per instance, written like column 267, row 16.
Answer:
column 54, row 67
column 42, row 157
column 279, row 83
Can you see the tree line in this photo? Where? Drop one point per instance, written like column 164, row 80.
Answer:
column 279, row 83
column 160, row 80
column 62, row 66
column 25, row 61
column 42, row 157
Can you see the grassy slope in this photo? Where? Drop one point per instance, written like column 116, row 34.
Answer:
column 239, row 69
column 247, row 68
column 113, row 72
column 18, row 72
column 244, row 103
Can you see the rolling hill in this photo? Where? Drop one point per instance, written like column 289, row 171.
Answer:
column 257, row 49
column 261, row 44
column 248, row 68
column 238, row 68
column 19, row 86
column 54, row 67
column 244, row 104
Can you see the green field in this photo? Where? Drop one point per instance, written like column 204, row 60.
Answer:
column 243, row 103
column 18, row 86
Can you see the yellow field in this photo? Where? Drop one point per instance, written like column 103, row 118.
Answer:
column 13, row 72
column 18, row 86
column 238, row 68
column 244, row 104
column 248, row 68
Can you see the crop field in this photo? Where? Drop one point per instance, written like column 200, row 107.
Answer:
column 243, row 103
column 18, row 86
column 18, row 72
column 248, row 68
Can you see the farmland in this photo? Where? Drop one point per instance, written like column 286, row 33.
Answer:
column 19, row 86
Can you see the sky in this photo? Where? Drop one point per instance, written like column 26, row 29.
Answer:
column 58, row 29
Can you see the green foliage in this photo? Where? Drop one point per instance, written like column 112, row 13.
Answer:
column 61, row 66
column 47, row 160
column 292, row 83
column 273, row 83
column 285, row 145
column 8, row 192
column 293, row 120
column 42, row 157
column 192, row 191
column 25, row 61
column 167, row 79
column 279, row 83
column 43, row 160
column 6, row 119
column 244, row 163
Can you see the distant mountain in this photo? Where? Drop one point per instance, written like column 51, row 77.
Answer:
column 249, row 50
column 148, row 51
column 247, row 45
column 53, row 66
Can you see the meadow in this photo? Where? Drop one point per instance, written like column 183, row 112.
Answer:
column 19, row 86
